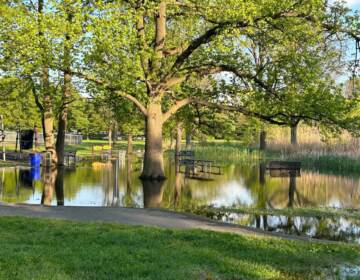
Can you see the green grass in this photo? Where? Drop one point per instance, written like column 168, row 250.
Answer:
column 289, row 212
column 334, row 163
column 85, row 149
column 48, row 249
column 226, row 151
column 234, row 151
column 8, row 163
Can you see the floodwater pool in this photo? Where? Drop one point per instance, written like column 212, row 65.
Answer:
column 247, row 184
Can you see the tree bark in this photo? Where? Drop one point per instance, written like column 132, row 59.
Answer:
column 292, row 190
column 110, row 136
column 160, row 27
column 294, row 140
column 262, row 174
column 66, row 95
column 129, row 150
column 188, row 139
column 153, row 168
column 179, row 131
column 115, row 133
column 262, row 140
column 48, row 129
column 63, row 118
column 47, row 110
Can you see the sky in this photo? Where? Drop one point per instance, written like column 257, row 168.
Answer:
column 354, row 4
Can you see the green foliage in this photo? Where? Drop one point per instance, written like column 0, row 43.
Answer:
column 285, row 45
column 17, row 105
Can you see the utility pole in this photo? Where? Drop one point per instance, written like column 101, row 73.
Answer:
column 2, row 137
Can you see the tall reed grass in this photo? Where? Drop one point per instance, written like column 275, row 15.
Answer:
column 339, row 154
column 226, row 151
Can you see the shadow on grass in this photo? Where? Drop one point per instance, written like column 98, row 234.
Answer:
column 44, row 249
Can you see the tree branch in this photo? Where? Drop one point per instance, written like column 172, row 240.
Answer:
column 135, row 101
column 177, row 106
column 181, row 103
column 112, row 89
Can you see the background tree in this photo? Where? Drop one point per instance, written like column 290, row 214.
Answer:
column 168, row 48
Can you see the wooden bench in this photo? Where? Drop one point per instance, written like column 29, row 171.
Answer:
column 206, row 166
column 185, row 154
column 70, row 157
column 288, row 165
column 284, row 173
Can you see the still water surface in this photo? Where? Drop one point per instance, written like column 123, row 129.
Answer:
column 116, row 184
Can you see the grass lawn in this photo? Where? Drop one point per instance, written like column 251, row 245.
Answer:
column 48, row 249
column 85, row 148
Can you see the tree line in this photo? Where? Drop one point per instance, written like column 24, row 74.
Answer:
column 177, row 61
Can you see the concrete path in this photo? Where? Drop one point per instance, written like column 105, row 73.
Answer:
column 133, row 216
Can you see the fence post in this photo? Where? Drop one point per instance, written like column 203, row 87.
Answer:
column 3, row 137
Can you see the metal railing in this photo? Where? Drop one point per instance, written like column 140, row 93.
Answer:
column 70, row 139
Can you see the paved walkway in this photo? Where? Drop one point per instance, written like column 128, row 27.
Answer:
column 133, row 216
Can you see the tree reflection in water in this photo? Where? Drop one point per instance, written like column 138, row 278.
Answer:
column 49, row 178
column 59, row 186
column 53, row 181
column 116, row 191
column 178, row 184
column 153, row 193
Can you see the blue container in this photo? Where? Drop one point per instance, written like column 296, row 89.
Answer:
column 35, row 160
column 35, row 173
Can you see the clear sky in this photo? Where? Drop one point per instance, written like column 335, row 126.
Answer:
column 354, row 4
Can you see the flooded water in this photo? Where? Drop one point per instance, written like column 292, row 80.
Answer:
column 116, row 184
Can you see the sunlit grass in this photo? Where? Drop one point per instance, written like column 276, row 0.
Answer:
column 226, row 151
column 85, row 149
column 48, row 249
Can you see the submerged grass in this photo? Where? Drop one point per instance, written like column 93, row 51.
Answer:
column 335, row 164
column 49, row 249
column 325, row 212
column 235, row 151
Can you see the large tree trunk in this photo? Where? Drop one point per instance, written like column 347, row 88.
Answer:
column 262, row 140
column 48, row 129
column 294, row 140
column 153, row 168
column 66, row 94
column 129, row 150
column 178, row 138
column 63, row 117
column 47, row 110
